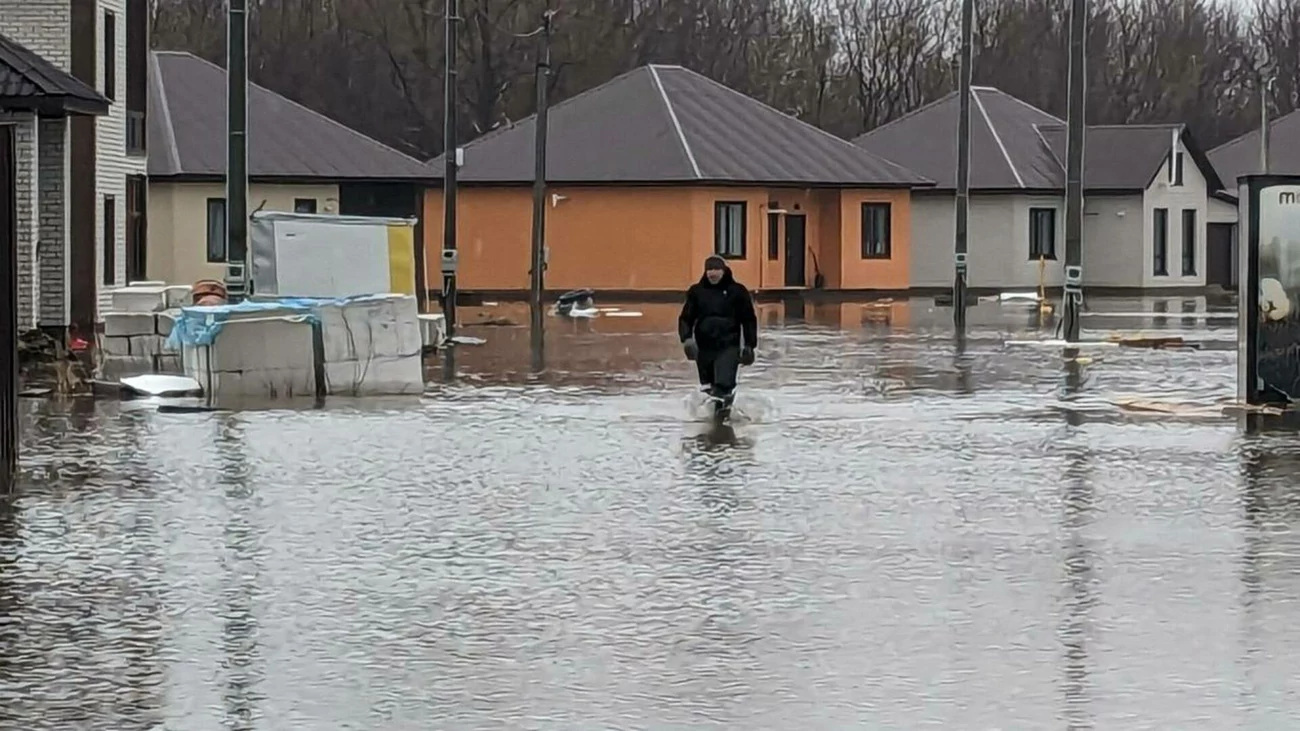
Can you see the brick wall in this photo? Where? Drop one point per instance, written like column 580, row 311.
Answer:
column 27, row 198
column 51, row 247
column 42, row 26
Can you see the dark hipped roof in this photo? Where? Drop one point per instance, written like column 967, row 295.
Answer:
column 286, row 141
column 28, row 82
column 1241, row 156
column 667, row 124
column 1128, row 156
column 1006, row 152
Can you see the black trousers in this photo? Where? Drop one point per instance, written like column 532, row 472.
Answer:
column 718, row 369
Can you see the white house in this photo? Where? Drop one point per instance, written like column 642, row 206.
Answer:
column 79, row 152
column 1146, row 209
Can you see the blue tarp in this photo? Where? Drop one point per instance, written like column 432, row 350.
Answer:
column 202, row 325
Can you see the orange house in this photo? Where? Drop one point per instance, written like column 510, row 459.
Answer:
column 657, row 169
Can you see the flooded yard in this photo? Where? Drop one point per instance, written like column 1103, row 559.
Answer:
column 899, row 531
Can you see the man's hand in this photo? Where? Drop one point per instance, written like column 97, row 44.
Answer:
column 692, row 350
column 747, row 356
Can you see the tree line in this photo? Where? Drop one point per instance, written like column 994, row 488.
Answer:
column 844, row 65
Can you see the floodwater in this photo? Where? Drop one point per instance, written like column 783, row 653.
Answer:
column 898, row 532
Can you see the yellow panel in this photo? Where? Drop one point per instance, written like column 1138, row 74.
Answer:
column 401, row 259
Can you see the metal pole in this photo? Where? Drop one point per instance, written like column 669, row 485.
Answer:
column 8, row 313
column 449, row 146
column 963, row 167
column 237, row 147
column 1073, row 297
column 1265, row 87
column 538, row 270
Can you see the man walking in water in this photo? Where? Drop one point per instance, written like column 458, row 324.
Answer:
column 718, row 329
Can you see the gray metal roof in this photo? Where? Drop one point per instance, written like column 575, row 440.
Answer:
column 187, row 132
column 667, row 124
column 1006, row 151
column 1241, row 156
column 1128, row 156
column 29, row 82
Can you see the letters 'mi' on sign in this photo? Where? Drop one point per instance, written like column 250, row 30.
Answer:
column 1268, row 363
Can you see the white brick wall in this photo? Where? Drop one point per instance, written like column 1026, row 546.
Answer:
column 113, row 164
column 52, row 214
column 27, row 198
column 43, row 26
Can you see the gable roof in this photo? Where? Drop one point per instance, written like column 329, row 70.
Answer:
column 286, row 141
column 667, row 124
column 1240, row 157
column 1006, row 152
column 31, row 83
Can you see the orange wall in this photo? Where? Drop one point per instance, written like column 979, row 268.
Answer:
column 657, row 238
column 891, row 273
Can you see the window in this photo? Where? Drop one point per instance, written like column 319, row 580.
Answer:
column 729, row 229
column 773, row 236
column 137, row 228
column 1189, row 242
column 217, row 230
column 109, row 272
column 1160, row 242
column 1042, row 233
column 1176, row 169
column 137, row 75
column 110, row 56
column 304, row 205
column 876, row 231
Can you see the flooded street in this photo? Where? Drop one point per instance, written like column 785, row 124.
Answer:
column 896, row 533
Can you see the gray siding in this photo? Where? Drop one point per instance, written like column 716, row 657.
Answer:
column 998, row 242
column 1112, row 241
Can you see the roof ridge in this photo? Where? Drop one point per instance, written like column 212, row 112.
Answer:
column 998, row 138
column 846, row 143
column 677, row 124
column 305, row 108
column 169, row 128
column 1038, row 130
column 1021, row 102
column 494, row 132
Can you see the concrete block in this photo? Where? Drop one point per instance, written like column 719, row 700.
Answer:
column 114, row 347
column 165, row 321
column 433, row 330
column 259, row 358
column 138, row 299
column 376, row 377
column 127, row 324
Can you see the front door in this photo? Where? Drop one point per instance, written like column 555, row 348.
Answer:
column 1220, row 264
column 795, row 248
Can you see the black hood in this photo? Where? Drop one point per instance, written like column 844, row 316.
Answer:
column 726, row 279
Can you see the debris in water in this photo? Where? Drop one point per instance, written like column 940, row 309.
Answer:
column 161, row 385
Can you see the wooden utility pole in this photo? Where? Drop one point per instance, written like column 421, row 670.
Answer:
column 538, row 270
column 8, row 310
column 237, row 147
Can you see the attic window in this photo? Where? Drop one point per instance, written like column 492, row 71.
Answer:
column 1176, row 170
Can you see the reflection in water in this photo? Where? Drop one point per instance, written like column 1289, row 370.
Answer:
column 239, row 627
column 1077, row 507
column 537, row 341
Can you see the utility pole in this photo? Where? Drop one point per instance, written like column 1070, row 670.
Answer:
column 1077, row 88
column 1266, row 86
column 963, row 167
column 539, row 170
column 237, row 150
column 450, row 154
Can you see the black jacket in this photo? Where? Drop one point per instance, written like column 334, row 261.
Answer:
column 718, row 315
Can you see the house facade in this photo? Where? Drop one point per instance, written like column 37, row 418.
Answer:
column 299, row 161
column 1147, row 199
column 657, row 169
column 82, row 192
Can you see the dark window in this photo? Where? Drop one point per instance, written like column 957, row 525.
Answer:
column 137, row 228
column 110, row 56
column 110, row 241
column 876, row 231
column 1177, row 172
column 137, row 74
column 304, row 205
column 1042, row 233
column 217, row 230
column 773, row 236
column 729, row 229
column 1160, row 242
column 1189, row 242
